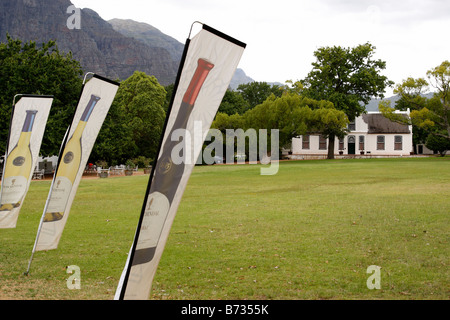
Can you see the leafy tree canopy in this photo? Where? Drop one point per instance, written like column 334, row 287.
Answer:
column 428, row 115
column 256, row 93
column 295, row 115
column 27, row 68
column 347, row 77
column 233, row 102
column 135, row 121
column 291, row 114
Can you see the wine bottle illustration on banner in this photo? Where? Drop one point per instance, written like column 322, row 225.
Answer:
column 18, row 167
column 68, row 168
column 167, row 174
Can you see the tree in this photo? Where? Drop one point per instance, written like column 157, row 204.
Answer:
column 27, row 68
column 328, row 121
column 295, row 115
column 429, row 116
column 281, row 113
column 435, row 115
column 135, row 121
column 438, row 144
column 169, row 93
column 291, row 114
column 223, row 121
column 233, row 102
column 256, row 93
column 347, row 77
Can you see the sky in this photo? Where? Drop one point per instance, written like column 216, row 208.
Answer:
column 282, row 35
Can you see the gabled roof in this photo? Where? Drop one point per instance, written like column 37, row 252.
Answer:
column 377, row 123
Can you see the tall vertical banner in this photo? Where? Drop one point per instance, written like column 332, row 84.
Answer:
column 208, row 64
column 28, row 122
column 96, row 98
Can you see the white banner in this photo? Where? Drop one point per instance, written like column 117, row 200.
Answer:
column 209, row 62
column 29, row 118
column 93, row 106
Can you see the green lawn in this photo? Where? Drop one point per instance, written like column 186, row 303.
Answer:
column 308, row 232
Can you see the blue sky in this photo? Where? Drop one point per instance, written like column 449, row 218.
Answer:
column 282, row 35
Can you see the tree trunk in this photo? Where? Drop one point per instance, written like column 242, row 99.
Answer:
column 331, row 139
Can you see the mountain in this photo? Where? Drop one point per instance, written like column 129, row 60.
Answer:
column 97, row 46
column 114, row 49
column 239, row 77
column 373, row 104
column 151, row 36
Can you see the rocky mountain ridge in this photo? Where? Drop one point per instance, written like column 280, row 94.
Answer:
column 102, row 47
column 97, row 46
column 152, row 36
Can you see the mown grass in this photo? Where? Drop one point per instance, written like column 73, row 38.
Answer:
column 308, row 232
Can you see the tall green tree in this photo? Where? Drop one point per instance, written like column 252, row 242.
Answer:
column 233, row 102
column 169, row 93
column 291, row 114
column 224, row 121
column 257, row 92
column 283, row 113
column 295, row 115
column 429, row 116
column 28, row 68
column 347, row 77
column 434, row 116
column 135, row 121
column 438, row 144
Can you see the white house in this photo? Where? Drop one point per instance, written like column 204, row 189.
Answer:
column 370, row 134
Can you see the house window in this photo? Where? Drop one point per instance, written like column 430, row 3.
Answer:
column 351, row 126
column 305, row 142
column 398, row 143
column 322, row 143
column 361, row 143
column 380, row 142
column 341, row 144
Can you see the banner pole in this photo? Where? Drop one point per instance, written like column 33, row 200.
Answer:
column 35, row 241
column 192, row 26
column 209, row 49
column 123, row 282
column 51, row 187
column 9, row 132
column 85, row 76
column 45, row 208
column 7, row 141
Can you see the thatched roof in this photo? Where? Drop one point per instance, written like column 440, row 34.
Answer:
column 379, row 124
